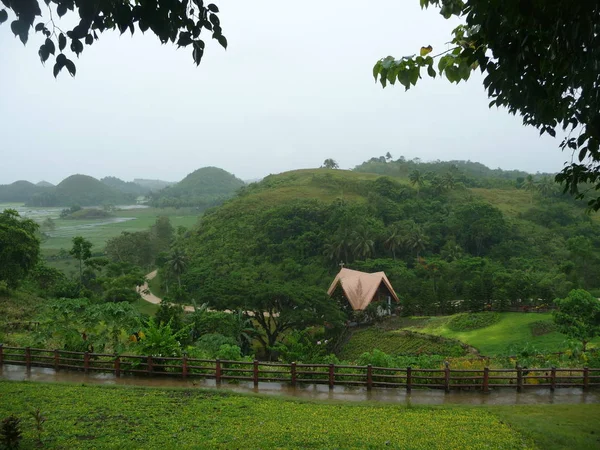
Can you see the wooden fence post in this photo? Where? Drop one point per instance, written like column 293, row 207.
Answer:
column 184, row 366
column 218, row 371
column 331, row 376
column 408, row 379
column 519, row 378
column 1, row 354
column 56, row 359
column 293, row 373
column 586, row 378
column 486, row 379
column 446, row 376
column 86, row 362
column 369, row 376
column 553, row 378
column 255, row 373
column 28, row 358
column 117, row 366
column 149, row 364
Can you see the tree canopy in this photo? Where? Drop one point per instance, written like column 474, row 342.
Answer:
column 539, row 58
column 19, row 247
column 578, row 316
column 180, row 22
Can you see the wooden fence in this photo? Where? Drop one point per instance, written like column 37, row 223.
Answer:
column 369, row 376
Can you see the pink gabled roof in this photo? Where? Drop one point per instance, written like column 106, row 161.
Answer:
column 360, row 287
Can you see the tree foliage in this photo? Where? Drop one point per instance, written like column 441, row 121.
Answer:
column 539, row 58
column 19, row 247
column 578, row 316
column 181, row 22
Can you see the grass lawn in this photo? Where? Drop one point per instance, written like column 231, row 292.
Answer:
column 82, row 416
column 396, row 342
column 145, row 307
column 496, row 339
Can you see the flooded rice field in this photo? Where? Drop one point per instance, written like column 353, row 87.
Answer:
column 318, row 392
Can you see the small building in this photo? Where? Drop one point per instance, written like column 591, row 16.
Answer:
column 361, row 289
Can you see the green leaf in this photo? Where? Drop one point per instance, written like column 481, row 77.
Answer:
column 70, row 67
column 414, row 75
column 212, row 7
column 223, row 41
column 50, row 46
column 403, row 78
column 43, row 53
column 376, row 69
column 3, row 16
column 62, row 42
column 431, row 71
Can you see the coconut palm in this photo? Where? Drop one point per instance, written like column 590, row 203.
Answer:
column 417, row 179
column 395, row 238
column 530, row 186
column 416, row 240
column 546, row 186
column 177, row 264
column 364, row 246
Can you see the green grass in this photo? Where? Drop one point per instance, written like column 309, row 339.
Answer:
column 513, row 329
column 396, row 343
column 98, row 231
column 124, row 417
column 145, row 307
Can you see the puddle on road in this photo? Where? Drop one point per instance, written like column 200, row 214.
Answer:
column 507, row 396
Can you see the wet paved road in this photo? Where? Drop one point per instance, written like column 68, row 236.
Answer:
column 507, row 396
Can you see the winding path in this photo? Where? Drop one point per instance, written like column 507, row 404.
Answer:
column 146, row 294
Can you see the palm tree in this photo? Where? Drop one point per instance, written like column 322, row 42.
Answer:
column 243, row 330
column 448, row 181
column 530, row 186
column 546, row 186
column 452, row 251
column 177, row 263
column 417, row 179
column 395, row 238
column 417, row 240
column 364, row 246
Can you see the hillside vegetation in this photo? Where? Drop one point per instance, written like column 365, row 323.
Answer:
column 20, row 191
column 202, row 188
column 444, row 246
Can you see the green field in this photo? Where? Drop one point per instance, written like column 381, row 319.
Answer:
column 397, row 342
column 80, row 416
column 512, row 330
column 98, row 231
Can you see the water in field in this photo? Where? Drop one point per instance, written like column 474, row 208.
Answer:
column 507, row 396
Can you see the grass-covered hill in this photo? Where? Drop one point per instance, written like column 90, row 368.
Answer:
column 44, row 184
column 153, row 185
column 202, row 188
column 20, row 191
column 126, row 187
column 444, row 246
column 84, row 190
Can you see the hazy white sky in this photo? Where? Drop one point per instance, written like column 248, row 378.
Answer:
column 294, row 87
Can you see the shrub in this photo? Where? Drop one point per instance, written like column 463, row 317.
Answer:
column 10, row 433
column 212, row 344
column 541, row 327
column 473, row 321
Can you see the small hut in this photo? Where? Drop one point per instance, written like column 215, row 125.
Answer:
column 361, row 289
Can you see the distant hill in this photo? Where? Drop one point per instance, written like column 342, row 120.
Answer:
column 84, row 190
column 473, row 174
column 202, row 188
column 153, row 185
column 19, row 191
column 126, row 187
column 44, row 184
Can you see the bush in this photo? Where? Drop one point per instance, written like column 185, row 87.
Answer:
column 473, row 321
column 541, row 327
column 10, row 433
column 212, row 344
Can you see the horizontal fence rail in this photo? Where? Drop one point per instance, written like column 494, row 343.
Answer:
column 369, row 376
